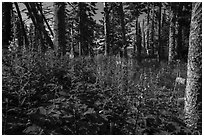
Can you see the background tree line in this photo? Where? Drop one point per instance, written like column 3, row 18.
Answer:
column 142, row 26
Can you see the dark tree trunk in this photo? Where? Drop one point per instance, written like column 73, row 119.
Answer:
column 147, row 37
column 139, row 42
column 72, row 40
column 143, row 34
column 41, row 12
column 160, row 49
column 84, row 32
column 193, row 95
column 123, row 31
column 152, row 31
column 37, row 21
column 59, row 28
column 22, row 24
column 106, row 29
column 6, row 24
column 136, row 32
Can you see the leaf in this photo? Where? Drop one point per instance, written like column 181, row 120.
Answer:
column 42, row 110
column 62, row 93
column 89, row 111
column 131, row 121
column 32, row 130
column 23, row 100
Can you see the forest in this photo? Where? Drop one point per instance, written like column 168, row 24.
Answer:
column 101, row 68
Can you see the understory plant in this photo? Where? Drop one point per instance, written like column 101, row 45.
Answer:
column 44, row 94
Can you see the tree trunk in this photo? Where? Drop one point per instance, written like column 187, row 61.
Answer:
column 106, row 29
column 139, row 46
column 172, row 35
column 6, row 24
column 147, row 36
column 22, row 24
column 123, row 31
column 59, row 28
column 72, row 40
column 36, row 19
column 143, row 33
column 180, row 38
column 48, row 26
column 160, row 49
column 152, row 31
column 135, row 38
column 193, row 94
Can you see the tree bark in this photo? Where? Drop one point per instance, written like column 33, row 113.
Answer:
column 48, row 26
column 147, row 36
column 59, row 28
column 143, row 34
column 160, row 49
column 193, row 94
column 172, row 35
column 152, row 31
column 139, row 46
column 106, row 29
column 123, row 31
column 22, row 24
column 136, row 32
column 35, row 17
column 6, row 24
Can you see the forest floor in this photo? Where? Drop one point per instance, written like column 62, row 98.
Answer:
column 86, row 96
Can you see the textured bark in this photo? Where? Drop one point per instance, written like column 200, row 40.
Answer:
column 172, row 35
column 59, row 28
column 84, row 31
column 193, row 93
column 123, row 30
column 106, row 29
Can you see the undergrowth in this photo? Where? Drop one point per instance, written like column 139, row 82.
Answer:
column 87, row 96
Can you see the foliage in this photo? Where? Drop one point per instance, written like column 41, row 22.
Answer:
column 43, row 94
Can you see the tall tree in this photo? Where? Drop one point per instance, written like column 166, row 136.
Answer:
column 22, row 24
column 86, row 27
column 106, row 28
column 139, row 42
column 152, row 31
column 147, row 36
column 193, row 94
column 160, row 49
column 183, row 13
column 37, row 20
column 6, row 24
column 59, row 28
column 124, row 43
column 172, row 33
column 143, row 34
